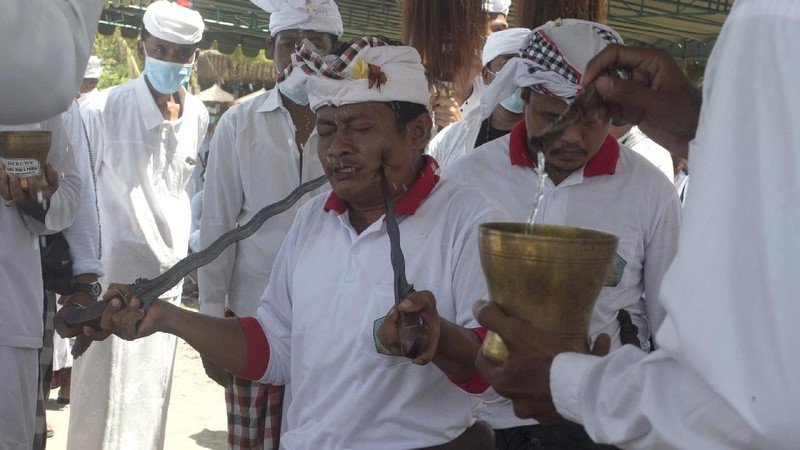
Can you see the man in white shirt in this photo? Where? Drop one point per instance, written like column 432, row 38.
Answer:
column 592, row 183
column 22, row 220
column 486, row 123
column 323, row 317
column 144, row 136
column 83, row 238
column 262, row 149
column 632, row 137
column 48, row 42
column 725, row 373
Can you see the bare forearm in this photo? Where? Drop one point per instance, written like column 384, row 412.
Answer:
column 456, row 352
column 218, row 339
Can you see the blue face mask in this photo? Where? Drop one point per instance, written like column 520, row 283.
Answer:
column 166, row 77
column 298, row 96
column 513, row 103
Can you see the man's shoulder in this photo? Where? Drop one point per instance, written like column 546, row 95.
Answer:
column 245, row 112
column 459, row 199
column 98, row 101
column 633, row 164
column 481, row 160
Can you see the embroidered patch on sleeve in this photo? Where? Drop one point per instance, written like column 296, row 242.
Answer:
column 617, row 269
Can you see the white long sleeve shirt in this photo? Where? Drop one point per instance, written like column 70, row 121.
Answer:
column 254, row 161
column 20, row 264
column 328, row 287
column 45, row 47
column 637, row 141
column 83, row 235
column 726, row 373
column 456, row 139
column 618, row 192
column 142, row 163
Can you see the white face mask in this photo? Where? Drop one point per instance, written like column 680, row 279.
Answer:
column 298, row 96
column 166, row 77
column 513, row 103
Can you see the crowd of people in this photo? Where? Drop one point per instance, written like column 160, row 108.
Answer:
column 305, row 322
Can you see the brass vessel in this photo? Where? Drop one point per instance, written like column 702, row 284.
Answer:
column 549, row 276
column 24, row 154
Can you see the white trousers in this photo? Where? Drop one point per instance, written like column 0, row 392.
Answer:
column 19, row 375
column 120, row 393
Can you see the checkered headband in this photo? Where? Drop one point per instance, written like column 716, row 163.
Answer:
column 368, row 70
column 552, row 61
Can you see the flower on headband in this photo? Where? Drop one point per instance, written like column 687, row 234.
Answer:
column 360, row 69
column 376, row 76
column 373, row 73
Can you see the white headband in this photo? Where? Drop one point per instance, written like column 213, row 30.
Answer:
column 173, row 23
column 368, row 71
column 315, row 15
column 497, row 6
column 552, row 61
column 505, row 42
column 94, row 68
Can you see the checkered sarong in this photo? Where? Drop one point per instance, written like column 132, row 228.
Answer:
column 45, row 370
column 307, row 59
column 254, row 414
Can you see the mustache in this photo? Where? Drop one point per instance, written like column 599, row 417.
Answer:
column 333, row 164
column 562, row 149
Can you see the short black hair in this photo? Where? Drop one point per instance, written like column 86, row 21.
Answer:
column 406, row 112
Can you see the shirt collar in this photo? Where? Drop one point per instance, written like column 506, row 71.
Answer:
column 411, row 200
column 272, row 102
column 604, row 161
column 148, row 109
column 151, row 115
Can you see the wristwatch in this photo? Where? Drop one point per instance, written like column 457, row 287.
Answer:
column 94, row 289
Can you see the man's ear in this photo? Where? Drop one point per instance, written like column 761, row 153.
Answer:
column 270, row 50
column 485, row 74
column 140, row 50
column 419, row 131
column 525, row 93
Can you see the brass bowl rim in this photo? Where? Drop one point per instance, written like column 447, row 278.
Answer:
column 584, row 234
column 26, row 139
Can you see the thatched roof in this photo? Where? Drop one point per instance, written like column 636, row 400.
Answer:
column 214, row 67
column 215, row 94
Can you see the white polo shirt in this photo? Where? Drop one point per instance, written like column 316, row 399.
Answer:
column 21, row 289
column 618, row 192
column 254, row 161
column 327, row 288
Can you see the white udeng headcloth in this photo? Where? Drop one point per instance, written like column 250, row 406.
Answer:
column 94, row 68
column 497, row 6
column 316, row 15
column 551, row 62
column 368, row 71
column 173, row 23
column 505, row 42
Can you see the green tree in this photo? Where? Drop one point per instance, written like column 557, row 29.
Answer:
column 120, row 62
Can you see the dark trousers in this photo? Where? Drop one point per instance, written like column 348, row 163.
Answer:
column 539, row 437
